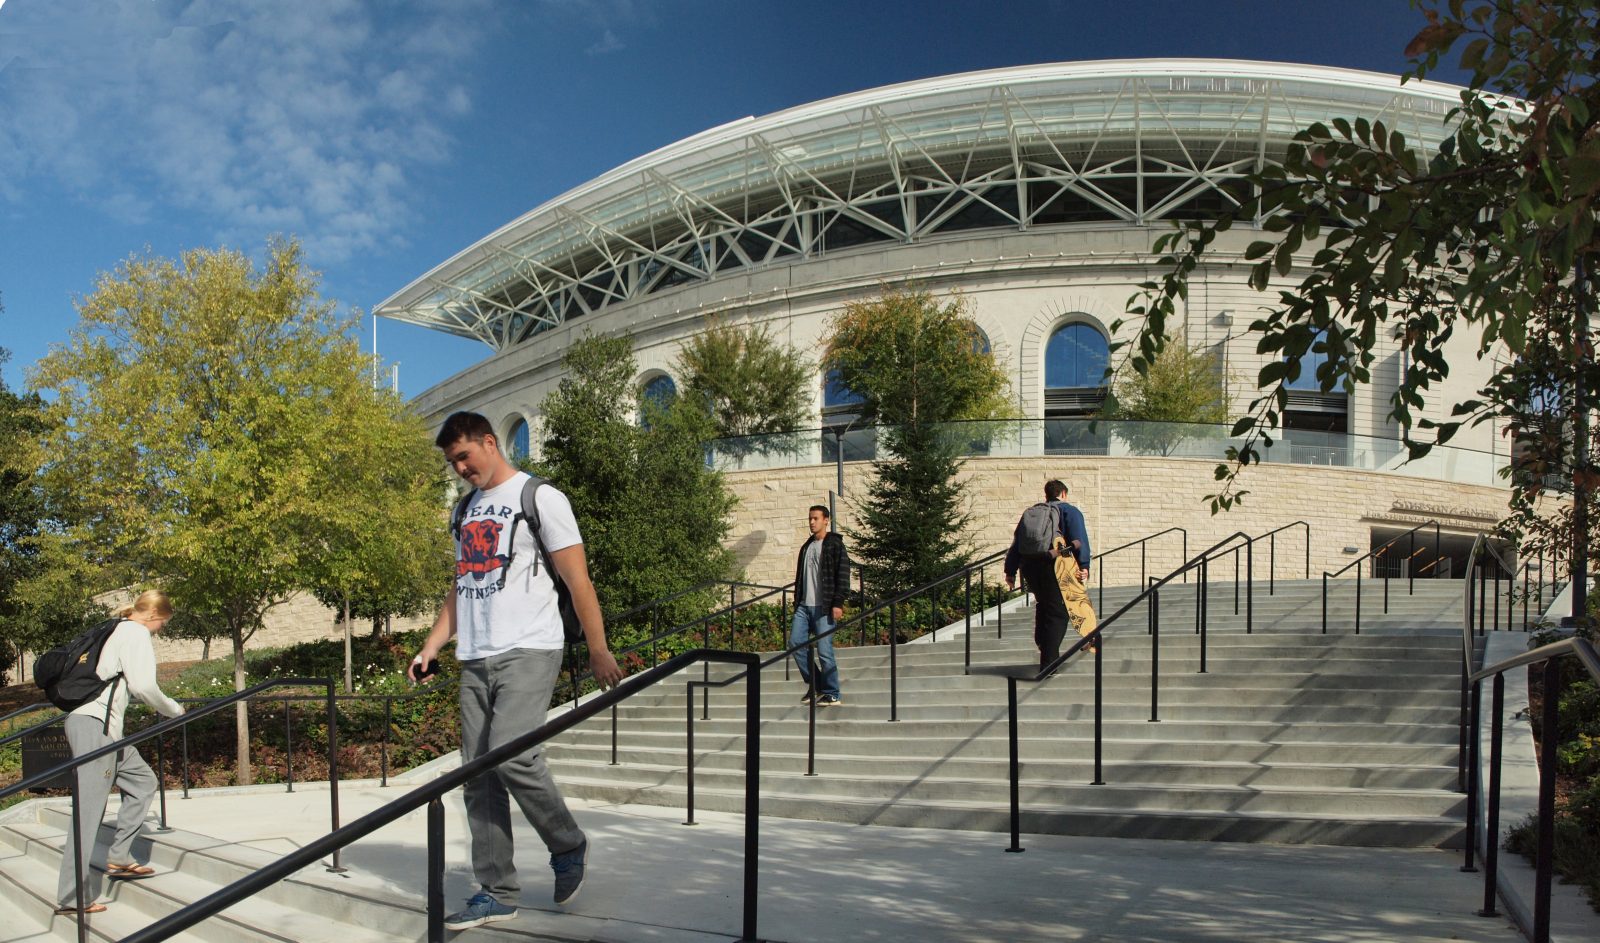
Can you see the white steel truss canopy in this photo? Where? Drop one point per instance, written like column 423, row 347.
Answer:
column 1132, row 141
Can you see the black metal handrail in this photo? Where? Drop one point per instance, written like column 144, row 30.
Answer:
column 157, row 730
column 18, row 735
column 1544, row 854
column 1100, row 598
column 1375, row 553
column 1096, row 638
column 431, row 795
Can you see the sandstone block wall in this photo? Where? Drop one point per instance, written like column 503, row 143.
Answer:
column 1125, row 498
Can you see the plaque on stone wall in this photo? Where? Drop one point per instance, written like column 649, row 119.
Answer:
column 44, row 751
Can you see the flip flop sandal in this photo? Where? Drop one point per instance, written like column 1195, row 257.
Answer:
column 129, row 872
column 73, row 911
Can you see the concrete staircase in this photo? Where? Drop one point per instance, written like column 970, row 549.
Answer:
column 1291, row 736
column 313, row 905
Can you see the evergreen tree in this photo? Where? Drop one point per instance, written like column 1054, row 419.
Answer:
column 918, row 366
column 652, row 514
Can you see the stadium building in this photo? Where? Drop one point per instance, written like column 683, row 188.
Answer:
column 1036, row 192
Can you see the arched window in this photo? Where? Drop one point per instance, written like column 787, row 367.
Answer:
column 658, row 392
column 841, row 412
column 517, row 441
column 980, row 340
column 659, row 389
column 1075, row 361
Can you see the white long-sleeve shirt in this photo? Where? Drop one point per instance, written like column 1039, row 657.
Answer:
column 130, row 652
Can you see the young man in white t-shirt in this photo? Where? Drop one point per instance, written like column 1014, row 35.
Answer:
column 505, row 618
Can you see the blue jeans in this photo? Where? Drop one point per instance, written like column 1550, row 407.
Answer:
column 810, row 621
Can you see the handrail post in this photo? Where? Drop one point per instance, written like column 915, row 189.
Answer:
column 1491, row 845
column 1200, row 608
column 1272, row 564
column 1014, row 768
column 1099, row 652
column 784, row 624
column 1249, row 588
column 436, row 870
column 333, row 770
column 752, row 799
column 383, row 746
column 185, row 731
column 1474, row 782
column 1235, row 580
column 811, row 707
column 688, row 737
column 288, row 747
column 1358, row 598
column 161, row 785
column 77, row 852
column 1153, row 611
column 614, row 734
column 1324, row 602
column 1411, row 566
column 967, row 666
column 1545, row 856
column 894, row 650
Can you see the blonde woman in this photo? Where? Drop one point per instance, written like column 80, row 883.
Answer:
column 128, row 653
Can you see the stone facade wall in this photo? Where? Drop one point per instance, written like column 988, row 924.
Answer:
column 1126, row 498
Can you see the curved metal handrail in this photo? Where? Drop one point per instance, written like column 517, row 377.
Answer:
column 1374, row 554
column 1544, row 852
column 431, row 793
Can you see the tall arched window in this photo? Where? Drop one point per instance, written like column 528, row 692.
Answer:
column 517, row 441
column 658, row 392
column 1075, row 361
column 841, row 412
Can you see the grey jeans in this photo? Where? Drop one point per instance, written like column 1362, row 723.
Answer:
column 127, row 771
column 502, row 697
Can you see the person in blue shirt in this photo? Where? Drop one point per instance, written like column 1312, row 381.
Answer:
column 1058, row 581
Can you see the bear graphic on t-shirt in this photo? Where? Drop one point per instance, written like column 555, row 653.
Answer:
column 479, row 541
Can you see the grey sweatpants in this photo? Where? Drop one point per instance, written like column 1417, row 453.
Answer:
column 127, row 771
column 502, row 697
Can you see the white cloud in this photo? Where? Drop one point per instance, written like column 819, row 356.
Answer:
column 608, row 43
column 301, row 118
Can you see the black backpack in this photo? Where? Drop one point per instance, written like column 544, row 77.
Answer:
column 571, row 628
column 66, row 673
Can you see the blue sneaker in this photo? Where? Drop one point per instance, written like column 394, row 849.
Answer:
column 481, row 909
column 569, row 867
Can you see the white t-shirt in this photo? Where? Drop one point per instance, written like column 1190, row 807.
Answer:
column 500, row 607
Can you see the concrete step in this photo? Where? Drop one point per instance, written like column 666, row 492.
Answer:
column 312, row 905
column 927, row 706
column 1372, row 830
column 990, row 741
column 595, row 758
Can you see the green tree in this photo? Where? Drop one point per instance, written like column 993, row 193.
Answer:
column 653, row 515
column 1492, row 234
column 750, row 382
column 22, row 519
column 208, row 413
column 390, row 557
column 918, row 365
column 1180, row 392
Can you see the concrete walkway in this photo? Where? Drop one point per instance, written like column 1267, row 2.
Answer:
column 654, row 879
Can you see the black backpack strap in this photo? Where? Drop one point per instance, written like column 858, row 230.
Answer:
column 530, row 513
column 460, row 513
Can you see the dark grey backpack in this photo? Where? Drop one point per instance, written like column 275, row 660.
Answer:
column 1037, row 530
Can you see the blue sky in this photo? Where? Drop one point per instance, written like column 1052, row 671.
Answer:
column 389, row 134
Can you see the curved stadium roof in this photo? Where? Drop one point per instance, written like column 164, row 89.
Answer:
column 1020, row 148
